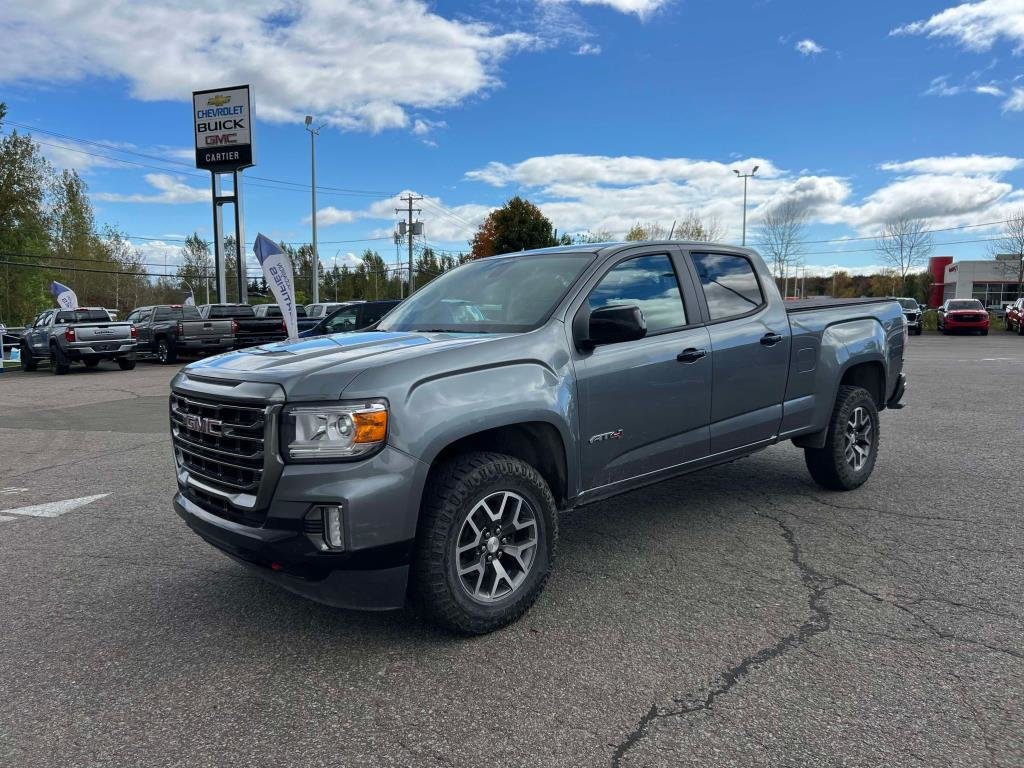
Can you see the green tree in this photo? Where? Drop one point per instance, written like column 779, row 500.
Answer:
column 518, row 225
column 196, row 269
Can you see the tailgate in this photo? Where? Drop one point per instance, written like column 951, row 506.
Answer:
column 206, row 329
column 85, row 332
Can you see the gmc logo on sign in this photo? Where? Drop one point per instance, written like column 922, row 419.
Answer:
column 224, row 138
column 202, row 424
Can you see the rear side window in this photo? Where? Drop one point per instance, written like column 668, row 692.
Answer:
column 648, row 282
column 729, row 283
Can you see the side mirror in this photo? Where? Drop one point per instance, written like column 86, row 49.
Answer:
column 612, row 325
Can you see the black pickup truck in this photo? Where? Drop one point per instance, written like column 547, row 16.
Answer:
column 166, row 331
column 249, row 330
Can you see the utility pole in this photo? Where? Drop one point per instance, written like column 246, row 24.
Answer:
column 315, row 278
column 413, row 228
column 745, row 176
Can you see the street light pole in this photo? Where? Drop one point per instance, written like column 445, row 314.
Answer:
column 315, row 278
column 745, row 176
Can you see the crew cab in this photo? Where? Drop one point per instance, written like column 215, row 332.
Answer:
column 426, row 460
column 169, row 330
column 65, row 336
column 350, row 317
column 1014, row 317
column 959, row 315
column 323, row 309
column 913, row 312
column 303, row 321
column 247, row 329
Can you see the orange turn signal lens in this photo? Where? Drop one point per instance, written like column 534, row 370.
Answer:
column 371, row 426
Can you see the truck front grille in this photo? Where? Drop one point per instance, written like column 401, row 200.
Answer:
column 221, row 446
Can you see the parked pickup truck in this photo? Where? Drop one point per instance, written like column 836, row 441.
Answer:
column 169, row 330
column 64, row 336
column 249, row 330
column 274, row 311
column 426, row 460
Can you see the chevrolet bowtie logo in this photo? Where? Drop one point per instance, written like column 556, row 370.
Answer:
column 218, row 101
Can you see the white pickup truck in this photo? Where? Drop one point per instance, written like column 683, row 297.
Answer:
column 64, row 336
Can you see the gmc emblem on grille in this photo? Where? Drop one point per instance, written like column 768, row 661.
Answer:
column 202, row 424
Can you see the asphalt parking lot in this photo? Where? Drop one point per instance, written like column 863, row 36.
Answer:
column 738, row 617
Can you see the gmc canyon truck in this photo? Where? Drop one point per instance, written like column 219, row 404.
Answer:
column 425, row 461
column 169, row 330
column 64, row 336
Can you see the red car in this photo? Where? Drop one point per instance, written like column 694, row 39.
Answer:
column 963, row 315
column 1015, row 317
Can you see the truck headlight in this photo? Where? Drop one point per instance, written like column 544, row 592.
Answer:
column 334, row 431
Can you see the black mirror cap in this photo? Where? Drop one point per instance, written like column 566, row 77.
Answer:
column 613, row 325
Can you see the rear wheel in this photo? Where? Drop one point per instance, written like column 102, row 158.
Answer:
column 485, row 544
column 125, row 363
column 58, row 361
column 91, row 362
column 28, row 360
column 165, row 353
column 1020, row 327
column 851, row 444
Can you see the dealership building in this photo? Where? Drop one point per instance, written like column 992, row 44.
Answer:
column 994, row 282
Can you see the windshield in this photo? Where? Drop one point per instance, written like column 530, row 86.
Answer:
column 966, row 304
column 907, row 303
column 494, row 295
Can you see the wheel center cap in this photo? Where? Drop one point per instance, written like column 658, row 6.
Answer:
column 492, row 545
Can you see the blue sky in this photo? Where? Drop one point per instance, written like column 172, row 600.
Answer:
column 605, row 113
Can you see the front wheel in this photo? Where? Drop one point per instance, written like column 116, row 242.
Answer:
column 851, row 445
column 1020, row 327
column 985, row 332
column 28, row 360
column 485, row 544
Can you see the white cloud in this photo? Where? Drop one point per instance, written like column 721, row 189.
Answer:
column 325, row 217
column 347, row 63
column 957, row 164
column 171, row 190
column 975, row 26
column 1015, row 102
column 68, row 154
column 808, row 47
column 940, row 86
column 989, row 90
column 641, row 8
column 588, row 49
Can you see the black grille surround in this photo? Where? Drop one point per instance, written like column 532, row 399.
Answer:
column 220, row 449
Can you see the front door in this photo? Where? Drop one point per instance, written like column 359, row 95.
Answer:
column 645, row 404
column 750, row 343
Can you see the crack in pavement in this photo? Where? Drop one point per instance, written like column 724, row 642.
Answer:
column 820, row 620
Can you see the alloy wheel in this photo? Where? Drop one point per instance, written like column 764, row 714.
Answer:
column 858, row 437
column 497, row 546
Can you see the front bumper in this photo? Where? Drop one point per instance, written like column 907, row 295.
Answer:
column 373, row 579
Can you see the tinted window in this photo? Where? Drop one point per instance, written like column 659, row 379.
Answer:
column 177, row 313
column 729, row 283
column 230, row 310
column 650, row 283
column 374, row 312
column 342, row 321
column 83, row 316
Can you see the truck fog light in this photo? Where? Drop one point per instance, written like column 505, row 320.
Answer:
column 323, row 526
column 332, row 527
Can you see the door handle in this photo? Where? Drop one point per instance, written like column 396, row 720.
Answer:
column 691, row 355
column 771, row 339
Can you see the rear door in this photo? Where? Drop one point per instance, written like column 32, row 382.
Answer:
column 750, row 347
column 645, row 404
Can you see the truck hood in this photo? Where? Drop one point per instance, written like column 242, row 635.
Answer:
column 321, row 367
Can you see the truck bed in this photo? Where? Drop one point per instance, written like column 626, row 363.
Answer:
column 827, row 302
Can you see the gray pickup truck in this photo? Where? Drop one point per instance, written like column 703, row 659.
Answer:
column 64, row 336
column 169, row 330
column 425, row 461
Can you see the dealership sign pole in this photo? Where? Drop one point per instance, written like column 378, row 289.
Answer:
column 223, row 132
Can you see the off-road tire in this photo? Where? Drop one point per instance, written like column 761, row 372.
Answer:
column 125, row 363
column 165, row 351
column 828, row 466
column 452, row 491
column 91, row 362
column 58, row 362
column 28, row 360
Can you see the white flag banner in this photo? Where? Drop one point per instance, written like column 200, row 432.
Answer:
column 190, row 300
column 66, row 298
column 277, row 269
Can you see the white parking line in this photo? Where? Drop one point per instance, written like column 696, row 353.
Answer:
column 50, row 509
column 11, row 491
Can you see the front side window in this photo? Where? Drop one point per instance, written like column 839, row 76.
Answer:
column 729, row 283
column 342, row 322
column 648, row 282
